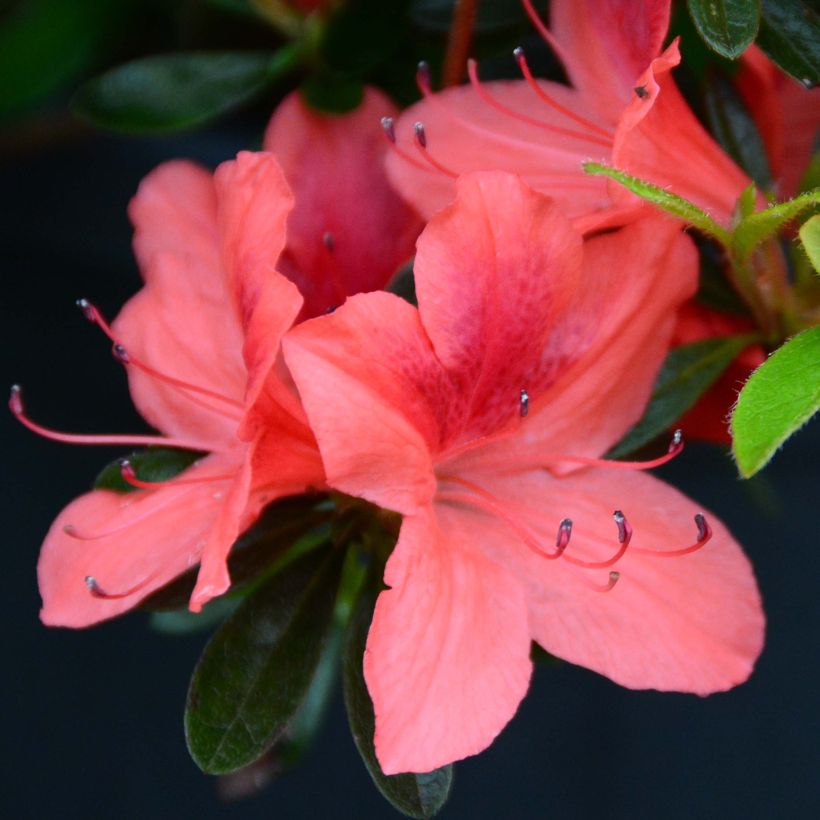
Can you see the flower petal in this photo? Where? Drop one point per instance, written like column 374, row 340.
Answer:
column 447, row 658
column 376, row 397
column 495, row 273
column 154, row 536
column 692, row 623
column 254, row 203
column 349, row 230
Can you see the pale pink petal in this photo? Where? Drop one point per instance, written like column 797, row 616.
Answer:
column 134, row 541
column 465, row 134
column 692, row 623
column 615, row 337
column 495, row 273
column 182, row 324
column 606, row 44
column 661, row 140
column 254, row 203
column 447, row 658
column 349, row 230
column 376, row 397
column 174, row 211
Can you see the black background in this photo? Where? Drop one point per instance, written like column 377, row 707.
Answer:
column 92, row 723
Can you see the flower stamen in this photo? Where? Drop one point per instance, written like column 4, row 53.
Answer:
column 98, row 592
column 624, row 537
column 703, row 537
column 130, row 477
column 420, row 141
column 389, row 129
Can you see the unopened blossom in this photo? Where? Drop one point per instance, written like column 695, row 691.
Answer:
column 622, row 108
column 481, row 417
column 201, row 345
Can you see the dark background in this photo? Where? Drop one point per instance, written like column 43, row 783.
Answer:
column 92, row 722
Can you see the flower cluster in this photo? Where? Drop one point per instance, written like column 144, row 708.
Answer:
column 269, row 343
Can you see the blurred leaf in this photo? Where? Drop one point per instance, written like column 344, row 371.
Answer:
column 735, row 130
column 153, row 464
column 256, row 670
column 779, row 398
column 295, row 524
column 688, row 372
column 332, row 93
column 415, row 795
column 184, row 622
column 46, row 45
column 810, row 237
column 790, row 35
column 170, row 92
column 763, row 225
column 663, row 199
column 727, row 26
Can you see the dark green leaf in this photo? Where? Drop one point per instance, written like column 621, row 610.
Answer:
column 790, row 35
column 285, row 525
column 734, row 128
column 332, row 93
column 777, row 400
column 727, row 26
column 184, row 622
column 689, row 370
column 416, row 795
column 153, row 464
column 256, row 670
column 170, row 92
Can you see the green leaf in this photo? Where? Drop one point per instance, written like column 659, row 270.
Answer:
column 734, row 128
column 790, row 35
column 285, row 529
column 171, row 92
column 665, row 200
column 810, row 237
column 415, row 795
column 257, row 668
column 153, row 464
column 727, row 26
column 332, row 93
column 763, row 225
column 185, row 622
column 779, row 398
column 689, row 370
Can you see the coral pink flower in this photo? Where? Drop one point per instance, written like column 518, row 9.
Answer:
column 201, row 343
column 623, row 108
column 481, row 417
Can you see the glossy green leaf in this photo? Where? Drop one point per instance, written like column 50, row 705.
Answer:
column 663, row 199
column 763, row 225
column 777, row 400
column 415, row 795
column 790, row 35
column 733, row 127
column 153, row 464
column 171, row 92
column 689, row 370
column 727, row 26
column 256, row 670
column 810, row 237
column 286, row 528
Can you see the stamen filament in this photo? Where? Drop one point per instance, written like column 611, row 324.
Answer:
column 675, row 449
column 624, row 537
column 129, row 475
column 16, row 407
column 420, row 141
column 472, row 72
column 544, row 31
column 390, row 133
column 704, row 536
column 98, row 592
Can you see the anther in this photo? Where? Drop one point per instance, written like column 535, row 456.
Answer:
column 624, row 530
column 704, row 535
column 16, row 400
column 120, row 353
column 614, row 577
column 94, row 587
column 524, row 403
column 389, row 129
column 418, row 129
column 624, row 537
column 423, row 76
column 328, row 241
column 89, row 311
column 677, row 440
column 704, row 530
column 641, row 91
column 564, row 534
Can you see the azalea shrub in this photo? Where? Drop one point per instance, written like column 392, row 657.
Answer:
column 407, row 366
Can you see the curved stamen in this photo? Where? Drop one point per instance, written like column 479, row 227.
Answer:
column 624, row 537
column 420, row 141
column 521, row 59
column 472, row 72
column 129, row 476
column 614, row 577
column 390, row 133
column 124, row 356
column 544, row 31
column 704, row 536
column 16, row 406
column 98, row 592
column 675, row 449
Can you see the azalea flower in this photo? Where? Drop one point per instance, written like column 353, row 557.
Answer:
column 481, row 417
column 623, row 108
column 201, row 345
